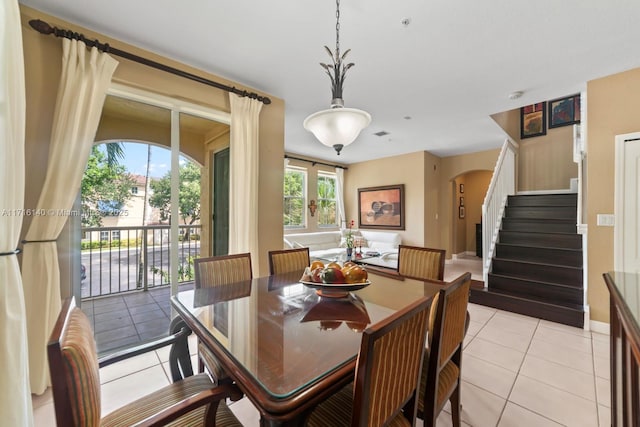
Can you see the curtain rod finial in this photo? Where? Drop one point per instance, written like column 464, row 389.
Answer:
column 41, row 26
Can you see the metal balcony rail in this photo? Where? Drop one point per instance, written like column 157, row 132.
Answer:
column 124, row 259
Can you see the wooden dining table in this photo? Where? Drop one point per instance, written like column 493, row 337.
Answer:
column 286, row 345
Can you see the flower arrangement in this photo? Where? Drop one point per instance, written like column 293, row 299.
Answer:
column 349, row 236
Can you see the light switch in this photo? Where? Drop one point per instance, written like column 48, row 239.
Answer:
column 606, row 220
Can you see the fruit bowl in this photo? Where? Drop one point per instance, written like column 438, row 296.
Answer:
column 335, row 290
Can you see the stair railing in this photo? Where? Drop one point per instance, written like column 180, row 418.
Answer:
column 503, row 184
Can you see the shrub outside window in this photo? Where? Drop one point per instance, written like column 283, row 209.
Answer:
column 327, row 200
column 295, row 189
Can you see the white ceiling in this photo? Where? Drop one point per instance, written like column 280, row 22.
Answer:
column 451, row 68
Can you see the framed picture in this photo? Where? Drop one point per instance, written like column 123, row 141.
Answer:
column 461, row 201
column 381, row 207
column 461, row 212
column 564, row 111
column 461, row 188
column 533, row 120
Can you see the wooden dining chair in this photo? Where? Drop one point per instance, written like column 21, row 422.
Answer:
column 288, row 260
column 443, row 362
column 420, row 263
column 213, row 272
column 75, row 381
column 385, row 388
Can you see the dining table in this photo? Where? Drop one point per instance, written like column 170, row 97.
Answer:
column 286, row 344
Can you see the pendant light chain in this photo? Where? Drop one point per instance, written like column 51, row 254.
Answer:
column 337, row 30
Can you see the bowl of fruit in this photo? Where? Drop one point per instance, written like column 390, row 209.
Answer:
column 333, row 279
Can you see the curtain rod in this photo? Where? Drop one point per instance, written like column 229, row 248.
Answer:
column 313, row 162
column 44, row 28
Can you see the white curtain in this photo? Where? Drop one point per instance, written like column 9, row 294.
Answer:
column 340, row 197
column 243, row 175
column 15, row 395
column 83, row 84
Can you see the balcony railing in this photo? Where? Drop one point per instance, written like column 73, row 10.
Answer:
column 123, row 259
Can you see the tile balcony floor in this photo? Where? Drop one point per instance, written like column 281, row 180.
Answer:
column 517, row 371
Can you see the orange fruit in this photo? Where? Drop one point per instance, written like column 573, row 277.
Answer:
column 349, row 264
column 334, row 264
column 315, row 264
column 355, row 274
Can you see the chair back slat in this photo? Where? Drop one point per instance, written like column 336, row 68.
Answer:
column 222, row 270
column 73, row 364
column 288, row 260
column 421, row 263
column 388, row 367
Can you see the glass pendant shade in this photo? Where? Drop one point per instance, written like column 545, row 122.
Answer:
column 337, row 127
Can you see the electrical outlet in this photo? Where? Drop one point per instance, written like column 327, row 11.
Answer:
column 606, row 220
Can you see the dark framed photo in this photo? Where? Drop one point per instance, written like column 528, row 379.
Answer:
column 381, row 207
column 533, row 120
column 461, row 188
column 461, row 212
column 564, row 111
column 461, row 201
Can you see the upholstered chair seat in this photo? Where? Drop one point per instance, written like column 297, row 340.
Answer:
column 75, row 378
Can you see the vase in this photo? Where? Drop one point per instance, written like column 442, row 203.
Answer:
column 349, row 253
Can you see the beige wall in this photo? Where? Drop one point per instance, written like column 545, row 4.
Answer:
column 452, row 173
column 42, row 71
column 407, row 169
column 544, row 162
column 475, row 184
column 613, row 106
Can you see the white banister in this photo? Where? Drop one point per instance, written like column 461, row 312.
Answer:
column 503, row 184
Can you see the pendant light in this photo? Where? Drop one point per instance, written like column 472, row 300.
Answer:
column 338, row 126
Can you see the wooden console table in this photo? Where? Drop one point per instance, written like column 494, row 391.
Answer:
column 624, row 290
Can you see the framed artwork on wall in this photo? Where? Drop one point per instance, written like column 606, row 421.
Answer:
column 461, row 201
column 533, row 120
column 461, row 212
column 564, row 111
column 381, row 207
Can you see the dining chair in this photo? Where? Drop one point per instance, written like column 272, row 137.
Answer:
column 443, row 361
column 75, row 381
column 387, row 376
column 420, row 263
column 288, row 260
column 213, row 272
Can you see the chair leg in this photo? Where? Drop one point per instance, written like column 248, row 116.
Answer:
column 455, row 406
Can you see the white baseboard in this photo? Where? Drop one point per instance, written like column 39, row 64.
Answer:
column 558, row 191
column 599, row 327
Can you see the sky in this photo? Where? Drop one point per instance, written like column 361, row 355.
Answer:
column 136, row 159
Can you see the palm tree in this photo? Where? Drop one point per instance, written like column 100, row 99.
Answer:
column 115, row 153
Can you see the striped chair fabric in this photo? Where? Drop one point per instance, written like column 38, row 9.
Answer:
column 73, row 363
column 440, row 379
column 219, row 272
column 387, row 375
column 421, row 263
column 288, row 260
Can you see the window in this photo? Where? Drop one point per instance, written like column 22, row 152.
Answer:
column 104, row 235
column 327, row 199
column 295, row 189
column 115, row 235
column 134, row 190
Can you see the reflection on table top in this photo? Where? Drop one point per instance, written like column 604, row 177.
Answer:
column 281, row 333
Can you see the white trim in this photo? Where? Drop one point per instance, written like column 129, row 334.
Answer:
column 134, row 94
column 618, row 211
column 560, row 191
column 600, row 327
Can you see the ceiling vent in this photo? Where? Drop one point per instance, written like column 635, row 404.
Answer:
column 381, row 133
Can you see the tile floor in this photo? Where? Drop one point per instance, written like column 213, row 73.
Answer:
column 517, row 371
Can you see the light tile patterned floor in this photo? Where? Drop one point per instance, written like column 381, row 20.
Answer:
column 517, row 371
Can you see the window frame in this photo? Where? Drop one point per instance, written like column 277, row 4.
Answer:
column 331, row 175
column 305, row 184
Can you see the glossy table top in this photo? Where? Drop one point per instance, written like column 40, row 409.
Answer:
column 281, row 333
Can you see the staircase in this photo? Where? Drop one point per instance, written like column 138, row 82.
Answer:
column 537, row 264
